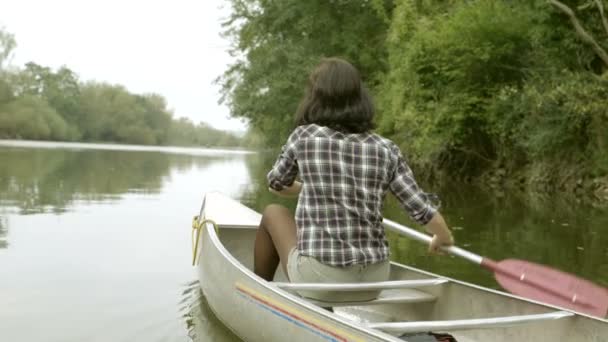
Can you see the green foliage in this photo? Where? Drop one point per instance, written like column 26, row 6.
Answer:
column 571, row 48
column 30, row 117
column 563, row 118
column 6, row 91
column 185, row 132
column 111, row 113
column 253, row 139
column 55, row 105
column 445, row 69
column 59, row 89
column 280, row 41
column 482, row 83
column 462, row 86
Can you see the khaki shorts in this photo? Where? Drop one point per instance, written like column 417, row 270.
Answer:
column 306, row 269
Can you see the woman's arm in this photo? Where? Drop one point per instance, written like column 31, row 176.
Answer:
column 285, row 170
column 417, row 204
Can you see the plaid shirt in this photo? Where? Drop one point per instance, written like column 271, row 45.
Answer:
column 345, row 178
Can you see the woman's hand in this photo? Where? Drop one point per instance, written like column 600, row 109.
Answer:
column 439, row 241
column 290, row 191
column 442, row 236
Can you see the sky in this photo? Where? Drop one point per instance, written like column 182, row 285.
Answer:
column 172, row 48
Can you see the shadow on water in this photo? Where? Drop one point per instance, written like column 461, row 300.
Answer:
column 201, row 322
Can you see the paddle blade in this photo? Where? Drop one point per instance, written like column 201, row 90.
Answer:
column 550, row 286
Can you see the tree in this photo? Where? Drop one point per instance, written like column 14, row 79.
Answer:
column 7, row 45
column 6, row 91
column 446, row 65
column 278, row 42
column 59, row 89
column 30, row 117
column 156, row 116
column 587, row 37
column 111, row 113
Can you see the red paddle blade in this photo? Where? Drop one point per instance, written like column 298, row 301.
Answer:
column 550, row 286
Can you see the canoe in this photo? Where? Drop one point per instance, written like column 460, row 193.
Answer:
column 412, row 301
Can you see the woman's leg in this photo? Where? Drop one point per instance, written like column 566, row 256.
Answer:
column 274, row 240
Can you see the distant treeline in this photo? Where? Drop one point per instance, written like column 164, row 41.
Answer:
column 39, row 103
column 476, row 89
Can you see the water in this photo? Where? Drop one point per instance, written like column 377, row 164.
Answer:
column 95, row 239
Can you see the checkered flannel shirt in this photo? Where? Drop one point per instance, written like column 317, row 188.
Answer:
column 345, row 178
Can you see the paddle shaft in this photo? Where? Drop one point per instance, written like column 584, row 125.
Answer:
column 486, row 262
column 416, row 235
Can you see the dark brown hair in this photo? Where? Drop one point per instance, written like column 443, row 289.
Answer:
column 336, row 97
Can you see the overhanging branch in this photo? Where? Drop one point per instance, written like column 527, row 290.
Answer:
column 600, row 7
column 580, row 30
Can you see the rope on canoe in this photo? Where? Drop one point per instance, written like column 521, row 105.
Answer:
column 197, row 226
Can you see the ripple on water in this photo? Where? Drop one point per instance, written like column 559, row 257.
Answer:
column 201, row 322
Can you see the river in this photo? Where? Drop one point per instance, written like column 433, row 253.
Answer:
column 95, row 239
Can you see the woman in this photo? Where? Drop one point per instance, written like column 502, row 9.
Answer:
column 345, row 171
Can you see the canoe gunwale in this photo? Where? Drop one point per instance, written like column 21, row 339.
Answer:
column 383, row 285
column 501, row 293
column 465, row 324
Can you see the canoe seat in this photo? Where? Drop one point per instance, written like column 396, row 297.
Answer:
column 465, row 324
column 386, row 297
column 382, row 285
column 394, row 291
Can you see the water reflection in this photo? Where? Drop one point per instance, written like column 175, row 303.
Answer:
column 50, row 180
column 201, row 322
column 3, row 232
column 257, row 196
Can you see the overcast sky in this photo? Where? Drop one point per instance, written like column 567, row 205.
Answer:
column 172, row 48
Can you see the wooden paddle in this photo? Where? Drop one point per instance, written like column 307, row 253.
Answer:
column 530, row 280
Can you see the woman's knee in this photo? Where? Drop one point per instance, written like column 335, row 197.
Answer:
column 278, row 221
column 274, row 211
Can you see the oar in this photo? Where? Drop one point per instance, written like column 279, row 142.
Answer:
column 530, row 280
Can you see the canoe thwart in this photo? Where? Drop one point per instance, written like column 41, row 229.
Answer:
column 466, row 324
column 395, row 296
column 384, row 285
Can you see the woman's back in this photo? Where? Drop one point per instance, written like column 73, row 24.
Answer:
column 345, row 179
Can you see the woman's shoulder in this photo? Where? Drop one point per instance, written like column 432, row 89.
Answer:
column 315, row 130
column 308, row 130
column 385, row 142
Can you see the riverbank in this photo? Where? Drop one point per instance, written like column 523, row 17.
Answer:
column 124, row 147
column 541, row 182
